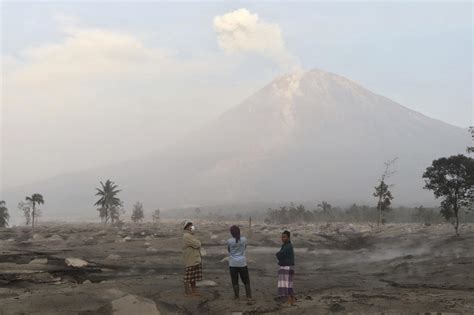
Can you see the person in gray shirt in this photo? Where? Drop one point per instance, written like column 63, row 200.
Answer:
column 238, row 262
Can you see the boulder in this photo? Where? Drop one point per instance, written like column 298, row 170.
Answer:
column 76, row 262
column 132, row 304
column 113, row 257
column 39, row 261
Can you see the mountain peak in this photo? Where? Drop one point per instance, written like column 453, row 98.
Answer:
column 316, row 80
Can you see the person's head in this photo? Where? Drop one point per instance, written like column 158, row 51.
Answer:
column 235, row 232
column 189, row 226
column 285, row 236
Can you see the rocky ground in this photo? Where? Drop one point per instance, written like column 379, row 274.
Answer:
column 137, row 269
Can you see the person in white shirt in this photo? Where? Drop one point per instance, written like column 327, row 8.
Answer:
column 238, row 262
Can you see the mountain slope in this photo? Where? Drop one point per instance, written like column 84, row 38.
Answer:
column 304, row 137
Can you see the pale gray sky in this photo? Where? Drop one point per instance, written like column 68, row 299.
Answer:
column 91, row 83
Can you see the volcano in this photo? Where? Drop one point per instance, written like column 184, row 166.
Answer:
column 304, row 137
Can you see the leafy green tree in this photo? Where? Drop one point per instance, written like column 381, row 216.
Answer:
column 138, row 212
column 382, row 191
column 156, row 216
column 25, row 207
column 198, row 211
column 35, row 199
column 471, row 149
column 115, row 213
column 108, row 199
column 4, row 216
column 325, row 206
column 452, row 179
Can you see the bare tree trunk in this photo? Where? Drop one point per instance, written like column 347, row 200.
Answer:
column 379, row 221
column 33, row 214
column 455, row 209
column 250, row 226
column 456, row 224
column 106, row 216
column 379, row 208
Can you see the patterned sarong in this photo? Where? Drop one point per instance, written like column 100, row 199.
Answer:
column 193, row 273
column 285, row 280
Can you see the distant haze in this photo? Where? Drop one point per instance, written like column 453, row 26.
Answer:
column 308, row 136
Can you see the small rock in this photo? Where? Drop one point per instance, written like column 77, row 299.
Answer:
column 151, row 249
column 127, row 238
column 147, row 244
column 55, row 237
column 203, row 252
column 206, row 283
column 86, row 282
column 90, row 241
column 76, row 262
column 213, row 237
column 113, row 257
column 39, row 261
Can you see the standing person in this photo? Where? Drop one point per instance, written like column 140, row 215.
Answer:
column 238, row 262
column 286, row 273
column 192, row 259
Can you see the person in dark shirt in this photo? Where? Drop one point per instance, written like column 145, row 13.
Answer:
column 286, row 273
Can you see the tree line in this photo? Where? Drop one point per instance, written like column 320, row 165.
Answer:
column 451, row 179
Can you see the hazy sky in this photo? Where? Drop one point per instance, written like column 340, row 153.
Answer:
column 90, row 83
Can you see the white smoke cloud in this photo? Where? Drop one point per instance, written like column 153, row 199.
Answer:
column 243, row 32
column 105, row 89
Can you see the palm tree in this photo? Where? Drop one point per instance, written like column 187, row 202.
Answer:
column 4, row 216
column 108, row 199
column 34, row 200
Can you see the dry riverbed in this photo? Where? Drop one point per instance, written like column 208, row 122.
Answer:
column 137, row 269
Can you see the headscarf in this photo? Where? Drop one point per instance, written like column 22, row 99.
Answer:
column 186, row 223
column 235, row 232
